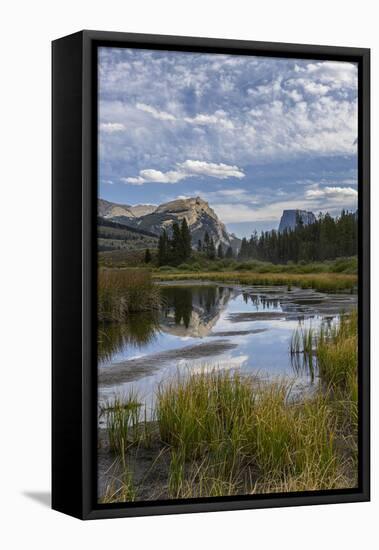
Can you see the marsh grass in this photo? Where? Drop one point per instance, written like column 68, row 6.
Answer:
column 302, row 341
column 302, row 351
column 238, row 421
column 122, row 416
column 125, row 291
column 229, row 434
column 319, row 281
column 121, row 488
column 337, row 354
column 335, row 348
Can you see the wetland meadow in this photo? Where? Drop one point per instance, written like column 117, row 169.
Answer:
column 215, row 386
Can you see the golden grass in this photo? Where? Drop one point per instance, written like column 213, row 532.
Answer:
column 125, row 291
column 319, row 281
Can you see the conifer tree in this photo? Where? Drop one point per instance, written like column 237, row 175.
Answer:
column 244, row 252
column 229, row 253
column 211, row 249
column 177, row 249
column 163, row 249
column 147, row 256
column 206, row 243
column 186, row 239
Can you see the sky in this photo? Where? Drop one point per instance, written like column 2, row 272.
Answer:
column 251, row 135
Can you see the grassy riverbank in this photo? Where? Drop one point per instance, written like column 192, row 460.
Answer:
column 220, row 433
column 122, row 291
column 200, row 263
column 319, row 281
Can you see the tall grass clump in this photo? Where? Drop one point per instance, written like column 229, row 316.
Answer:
column 337, row 354
column 125, row 291
column 302, row 341
column 336, row 351
column 302, row 350
column 335, row 347
column 195, row 412
column 244, row 427
column 122, row 417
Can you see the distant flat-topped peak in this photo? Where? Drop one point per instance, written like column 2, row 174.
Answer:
column 290, row 219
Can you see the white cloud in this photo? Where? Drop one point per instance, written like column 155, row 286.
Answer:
column 160, row 115
column 295, row 95
column 155, row 176
column 221, row 170
column 314, row 88
column 339, row 193
column 112, row 127
column 186, row 169
column 219, row 117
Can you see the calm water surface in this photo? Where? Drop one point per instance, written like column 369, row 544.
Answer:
column 216, row 326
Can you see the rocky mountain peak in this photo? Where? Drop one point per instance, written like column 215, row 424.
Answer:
column 107, row 209
column 201, row 219
column 290, row 219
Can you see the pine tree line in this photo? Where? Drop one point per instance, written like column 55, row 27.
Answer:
column 326, row 239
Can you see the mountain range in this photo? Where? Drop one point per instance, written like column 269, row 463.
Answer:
column 201, row 219
column 151, row 220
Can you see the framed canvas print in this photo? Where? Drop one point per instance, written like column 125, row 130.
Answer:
column 210, row 274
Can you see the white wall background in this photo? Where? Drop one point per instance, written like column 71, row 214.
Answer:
column 26, row 31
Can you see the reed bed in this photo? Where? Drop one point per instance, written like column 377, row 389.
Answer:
column 337, row 355
column 244, row 426
column 327, row 282
column 123, row 417
column 302, row 341
column 335, row 347
column 125, row 291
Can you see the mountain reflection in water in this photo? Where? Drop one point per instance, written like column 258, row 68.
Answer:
column 220, row 326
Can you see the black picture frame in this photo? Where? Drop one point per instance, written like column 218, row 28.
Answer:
column 74, row 205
